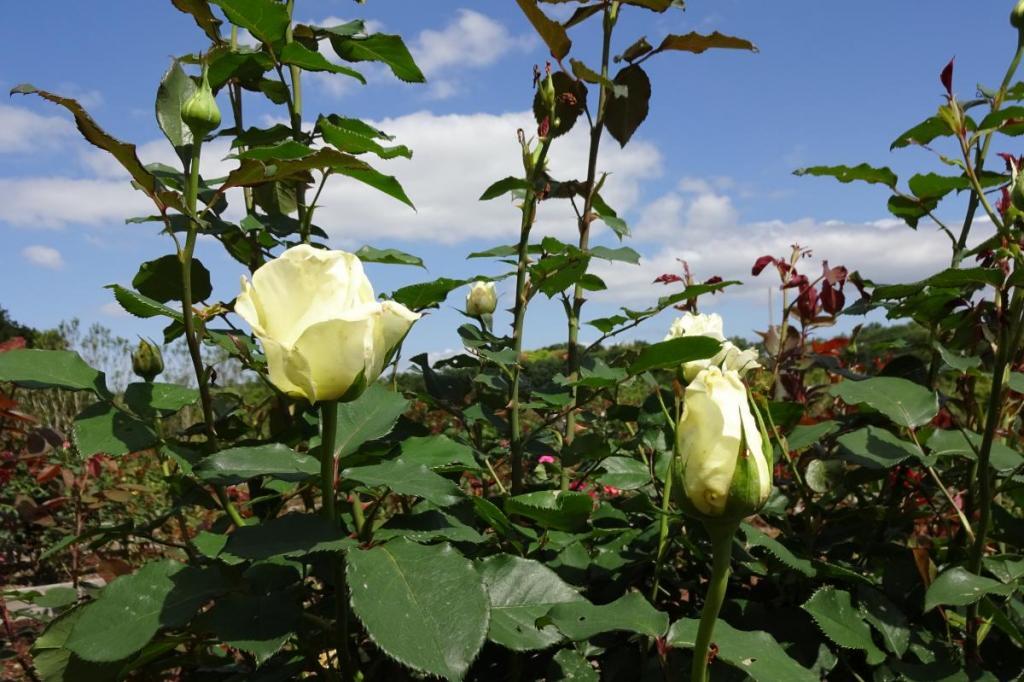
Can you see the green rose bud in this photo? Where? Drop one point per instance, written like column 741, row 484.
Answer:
column 147, row 361
column 1017, row 187
column 723, row 465
column 481, row 299
column 1017, row 15
column 199, row 112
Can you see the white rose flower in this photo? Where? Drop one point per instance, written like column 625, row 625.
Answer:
column 723, row 458
column 481, row 299
column 730, row 357
column 325, row 335
column 693, row 324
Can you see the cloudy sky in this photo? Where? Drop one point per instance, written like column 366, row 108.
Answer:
column 707, row 179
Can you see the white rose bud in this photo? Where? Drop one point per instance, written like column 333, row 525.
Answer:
column 325, row 335
column 481, row 299
column 730, row 357
column 724, row 461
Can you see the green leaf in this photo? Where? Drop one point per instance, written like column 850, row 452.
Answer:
column 291, row 535
column 436, row 614
column 910, row 209
column 259, row 625
column 427, row 524
column 160, row 280
column 504, row 186
column 380, row 47
column 102, row 428
column 886, row 618
column 91, row 131
column 146, row 398
column 674, row 352
column 552, row 508
column 624, row 473
column 141, row 306
column 437, row 452
column 863, row 172
column 521, row 591
column 959, row 587
column 609, row 216
column 947, row 442
column 1016, row 382
column 33, row 368
column 585, row 73
column 623, row 254
column 623, row 115
column 133, row 608
column 757, row 538
column 387, row 184
column 427, row 294
column 697, row 43
column 175, row 88
column 355, row 137
column 823, row 475
column 237, row 465
column 551, row 32
column 806, row 435
column 406, row 478
column 567, row 665
column 369, row 417
column 286, row 150
column 297, row 54
column 906, row 403
column 55, row 663
column 581, row 620
column 959, row 362
column 876, row 448
column 369, row 254
column 837, row 618
column 923, row 133
column 755, row 654
column 1007, row 120
column 267, row 20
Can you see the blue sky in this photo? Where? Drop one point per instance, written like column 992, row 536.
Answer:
column 707, row 178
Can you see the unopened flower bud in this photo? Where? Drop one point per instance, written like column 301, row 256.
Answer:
column 147, row 361
column 1017, row 188
column 200, row 112
column 1017, row 16
column 481, row 299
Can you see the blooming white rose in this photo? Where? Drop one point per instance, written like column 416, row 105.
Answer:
column 324, row 333
column 481, row 299
column 724, row 461
column 730, row 357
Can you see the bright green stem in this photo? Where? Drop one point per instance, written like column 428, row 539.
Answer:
column 721, row 547
column 328, row 435
column 188, row 321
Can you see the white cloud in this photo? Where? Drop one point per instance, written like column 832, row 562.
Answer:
column 706, row 231
column 23, row 130
column 113, row 309
column 53, row 202
column 43, row 257
column 455, row 158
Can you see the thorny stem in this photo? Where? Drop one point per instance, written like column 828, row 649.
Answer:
column 295, row 112
column 188, row 321
column 529, row 211
column 610, row 16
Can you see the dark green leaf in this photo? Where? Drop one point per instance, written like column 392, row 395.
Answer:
column 804, row 436
column 623, row 115
column 131, row 610
column 886, row 618
column 624, row 473
column 237, row 465
column 437, row 452
column 102, row 428
column 959, row 587
column 945, row 443
column 876, row 448
column 267, row 20
column 142, row 306
column 204, row 18
column 33, row 368
column 355, row 137
column 623, row 254
column 379, row 47
column 387, row 184
column 520, row 592
column 160, row 280
column 436, row 613
column 835, row 614
column 552, row 508
column 301, row 56
column 904, row 402
column 369, row 417
column 175, row 88
column 286, row 150
column 674, row 352
column 863, row 172
column 504, row 186
column 259, row 625
column 292, row 535
column 755, row 654
column 567, row 665
column 146, row 398
column 428, row 294
column 406, row 478
column 581, row 620
column 923, row 133
column 756, row 538
column 369, row 254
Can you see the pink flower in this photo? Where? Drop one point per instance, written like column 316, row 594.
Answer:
column 546, row 459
